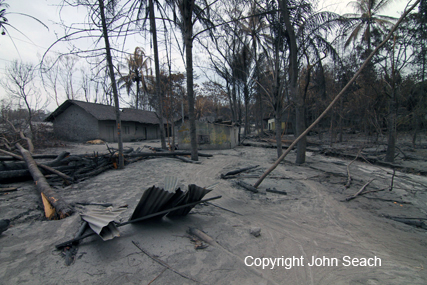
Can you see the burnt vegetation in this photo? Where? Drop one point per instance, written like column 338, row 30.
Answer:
column 268, row 66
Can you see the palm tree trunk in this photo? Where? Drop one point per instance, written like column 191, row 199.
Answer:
column 137, row 90
column 188, row 41
column 293, row 70
column 157, row 70
column 113, row 83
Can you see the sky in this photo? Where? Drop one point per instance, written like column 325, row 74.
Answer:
column 31, row 39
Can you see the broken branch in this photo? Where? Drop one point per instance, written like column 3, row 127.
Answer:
column 360, row 191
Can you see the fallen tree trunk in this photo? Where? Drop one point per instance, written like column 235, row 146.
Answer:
column 247, row 186
column 237, row 171
column 61, row 207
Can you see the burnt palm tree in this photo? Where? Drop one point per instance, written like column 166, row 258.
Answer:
column 186, row 13
column 306, row 39
column 138, row 64
column 366, row 20
column 254, row 27
column 145, row 10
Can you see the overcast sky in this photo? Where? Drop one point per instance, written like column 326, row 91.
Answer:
column 35, row 38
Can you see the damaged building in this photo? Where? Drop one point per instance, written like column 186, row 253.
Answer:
column 82, row 121
column 209, row 135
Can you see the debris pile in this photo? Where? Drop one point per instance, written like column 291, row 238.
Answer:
column 75, row 167
column 155, row 203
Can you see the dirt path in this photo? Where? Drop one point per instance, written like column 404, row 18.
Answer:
column 311, row 221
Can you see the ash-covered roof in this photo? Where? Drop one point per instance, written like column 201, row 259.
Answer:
column 107, row 113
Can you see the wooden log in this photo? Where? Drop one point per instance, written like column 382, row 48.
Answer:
column 36, row 156
column 14, row 175
column 10, row 189
column 24, row 174
column 411, row 222
column 234, row 172
column 147, row 154
column 62, row 208
column 187, row 160
column 247, row 186
column 19, row 165
column 70, row 252
column 48, row 168
column 94, row 172
column 408, row 218
column 201, row 235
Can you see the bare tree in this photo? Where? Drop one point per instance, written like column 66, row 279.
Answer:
column 67, row 70
column 19, row 84
column 112, row 78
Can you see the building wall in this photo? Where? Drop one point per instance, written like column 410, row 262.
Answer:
column 131, row 131
column 153, row 132
column 209, row 136
column 285, row 126
column 75, row 124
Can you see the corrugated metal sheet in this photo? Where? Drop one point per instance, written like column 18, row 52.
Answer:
column 156, row 199
column 194, row 194
column 153, row 200
column 171, row 182
column 102, row 222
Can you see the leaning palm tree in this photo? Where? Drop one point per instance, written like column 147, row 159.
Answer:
column 138, row 64
column 367, row 20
